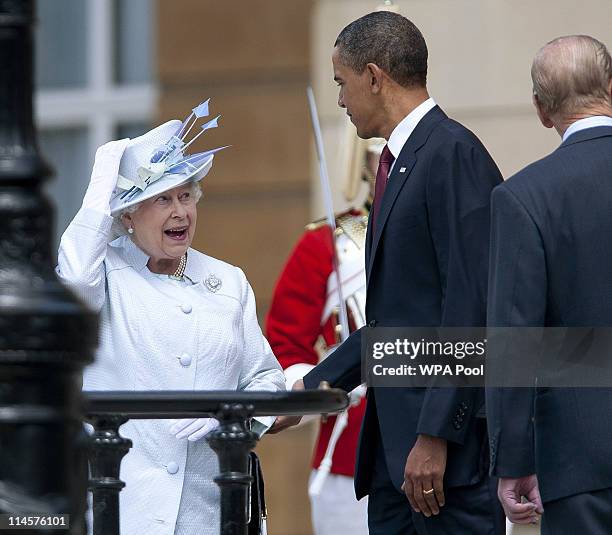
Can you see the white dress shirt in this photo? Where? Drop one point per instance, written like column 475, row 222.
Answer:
column 159, row 335
column 589, row 122
column 406, row 126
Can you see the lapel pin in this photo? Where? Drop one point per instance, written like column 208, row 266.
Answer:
column 403, row 170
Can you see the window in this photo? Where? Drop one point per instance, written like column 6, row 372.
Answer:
column 94, row 82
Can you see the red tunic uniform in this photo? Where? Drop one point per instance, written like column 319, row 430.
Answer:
column 293, row 327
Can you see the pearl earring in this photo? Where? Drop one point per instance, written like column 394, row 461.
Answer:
column 130, row 230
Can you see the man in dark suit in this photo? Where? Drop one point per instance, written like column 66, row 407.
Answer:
column 551, row 265
column 426, row 265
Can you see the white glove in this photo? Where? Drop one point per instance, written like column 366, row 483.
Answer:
column 295, row 372
column 193, row 428
column 104, row 176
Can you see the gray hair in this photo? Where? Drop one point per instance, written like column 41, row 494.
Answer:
column 388, row 40
column 572, row 74
column 118, row 229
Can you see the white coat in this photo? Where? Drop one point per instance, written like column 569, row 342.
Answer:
column 156, row 334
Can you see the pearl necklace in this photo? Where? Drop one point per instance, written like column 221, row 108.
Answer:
column 180, row 270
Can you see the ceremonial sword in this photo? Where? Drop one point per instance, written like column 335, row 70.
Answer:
column 329, row 209
column 342, row 419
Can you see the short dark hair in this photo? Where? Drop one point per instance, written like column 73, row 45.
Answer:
column 390, row 41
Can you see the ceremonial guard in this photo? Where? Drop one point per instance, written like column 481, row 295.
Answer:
column 304, row 325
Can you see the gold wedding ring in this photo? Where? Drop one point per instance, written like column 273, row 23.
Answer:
column 428, row 491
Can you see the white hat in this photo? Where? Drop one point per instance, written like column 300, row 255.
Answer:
column 155, row 162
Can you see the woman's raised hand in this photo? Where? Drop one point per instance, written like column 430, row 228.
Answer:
column 104, row 175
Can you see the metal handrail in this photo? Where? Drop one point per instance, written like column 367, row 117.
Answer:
column 189, row 404
column 232, row 441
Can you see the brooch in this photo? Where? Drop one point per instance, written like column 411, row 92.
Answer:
column 213, row 283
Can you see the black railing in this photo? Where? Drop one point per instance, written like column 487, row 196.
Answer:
column 232, row 441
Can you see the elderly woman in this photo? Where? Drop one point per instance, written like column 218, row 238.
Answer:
column 171, row 318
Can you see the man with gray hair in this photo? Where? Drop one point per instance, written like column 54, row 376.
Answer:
column 550, row 447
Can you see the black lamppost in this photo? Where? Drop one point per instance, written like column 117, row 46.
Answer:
column 46, row 336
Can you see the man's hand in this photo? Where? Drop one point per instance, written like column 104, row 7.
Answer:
column 283, row 422
column 510, row 491
column 424, row 475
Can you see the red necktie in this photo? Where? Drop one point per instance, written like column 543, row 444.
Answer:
column 382, row 175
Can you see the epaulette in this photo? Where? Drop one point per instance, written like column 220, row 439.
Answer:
column 314, row 225
column 318, row 223
column 354, row 225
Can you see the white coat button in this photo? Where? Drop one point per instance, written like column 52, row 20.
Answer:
column 186, row 308
column 185, row 359
column 172, row 467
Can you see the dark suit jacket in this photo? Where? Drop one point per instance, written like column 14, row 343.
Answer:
column 551, row 265
column 425, row 266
